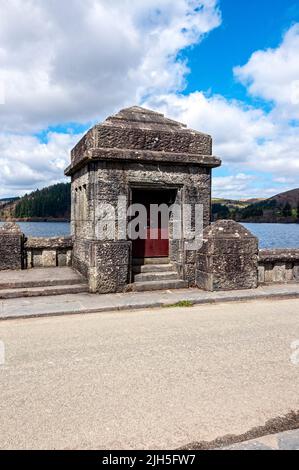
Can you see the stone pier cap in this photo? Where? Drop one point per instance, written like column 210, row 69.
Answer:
column 139, row 134
column 227, row 230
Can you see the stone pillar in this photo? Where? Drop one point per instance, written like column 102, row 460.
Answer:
column 109, row 266
column 228, row 259
column 11, row 247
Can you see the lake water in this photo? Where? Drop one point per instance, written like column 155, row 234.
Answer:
column 44, row 229
column 270, row 235
column 276, row 235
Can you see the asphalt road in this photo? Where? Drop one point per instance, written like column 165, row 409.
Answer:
column 147, row 379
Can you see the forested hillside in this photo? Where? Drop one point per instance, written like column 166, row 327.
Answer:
column 283, row 208
column 53, row 202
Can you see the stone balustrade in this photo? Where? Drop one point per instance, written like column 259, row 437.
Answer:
column 48, row 252
column 277, row 266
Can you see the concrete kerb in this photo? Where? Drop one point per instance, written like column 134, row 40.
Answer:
column 246, row 297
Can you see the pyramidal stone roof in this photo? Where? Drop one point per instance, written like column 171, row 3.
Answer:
column 227, row 229
column 141, row 134
column 143, row 118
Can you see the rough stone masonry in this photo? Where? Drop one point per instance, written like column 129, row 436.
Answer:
column 228, row 259
column 139, row 149
column 135, row 149
column 11, row 247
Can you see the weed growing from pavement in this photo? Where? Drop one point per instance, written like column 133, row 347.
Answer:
column 182, row 303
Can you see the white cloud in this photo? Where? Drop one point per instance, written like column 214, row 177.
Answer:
column 233, row 186
column 235, row 128
column 64, row 64
column 246, row 138
column 78, row 61
column 27, row 164
column 273, row 75
column 81, row 59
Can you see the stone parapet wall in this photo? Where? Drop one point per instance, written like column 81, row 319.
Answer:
column 11, row 247
column 277, row 266
column 48, row 252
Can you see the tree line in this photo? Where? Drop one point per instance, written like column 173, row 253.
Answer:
column 264, row 210
column 54, row 201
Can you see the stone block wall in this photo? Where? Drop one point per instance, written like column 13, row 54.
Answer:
column 228, row 259
column 110, row 270
column 278, row 266
column 102, row 183
column 11, row 247
column 48, row 252
column 134, row 149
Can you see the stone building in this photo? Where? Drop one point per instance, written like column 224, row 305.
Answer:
column 139, row 158
column 148, row 159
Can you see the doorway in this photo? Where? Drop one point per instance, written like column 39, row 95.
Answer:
column 156, row 243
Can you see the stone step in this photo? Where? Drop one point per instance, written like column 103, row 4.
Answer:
column 158, row 285
column 43, row 291
column 153, row 268
column 142, row 261
column 42, row 283
column 154, row 276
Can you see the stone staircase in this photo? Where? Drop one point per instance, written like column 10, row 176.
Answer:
column 151, row 274
column 40, row 282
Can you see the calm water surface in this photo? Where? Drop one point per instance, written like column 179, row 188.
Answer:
column 270, row 235
column 276, row 235
column 44, row 229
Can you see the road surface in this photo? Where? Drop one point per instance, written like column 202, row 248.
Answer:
column 152, row 379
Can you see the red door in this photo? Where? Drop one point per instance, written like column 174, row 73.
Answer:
column 152, row 247
column 156, row 244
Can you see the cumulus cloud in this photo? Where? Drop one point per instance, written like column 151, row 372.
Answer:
column 63, row 62
column 27, row 164
column 244, row 137
column 236, row 128
column 273, row 74
column 233, row 186
column 78, row 61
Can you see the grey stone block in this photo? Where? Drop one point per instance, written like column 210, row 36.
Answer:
column 11, row 247
column 228, row 259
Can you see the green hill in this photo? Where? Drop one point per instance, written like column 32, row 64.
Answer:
column 53, row 202
column 283, row 207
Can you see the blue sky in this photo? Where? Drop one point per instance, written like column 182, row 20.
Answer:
column 247, row 26
column 229, row 68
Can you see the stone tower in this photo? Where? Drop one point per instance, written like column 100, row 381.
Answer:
column 145, row 158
